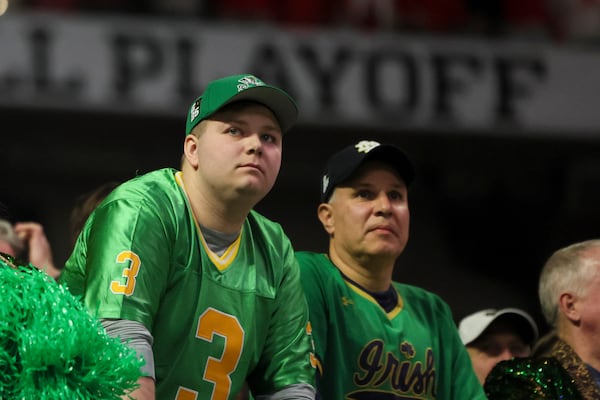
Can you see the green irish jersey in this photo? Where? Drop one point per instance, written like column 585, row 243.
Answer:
column 216, row 321
column 363, row 352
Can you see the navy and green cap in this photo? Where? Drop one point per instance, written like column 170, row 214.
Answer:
column 227, row 90
column 343, row 164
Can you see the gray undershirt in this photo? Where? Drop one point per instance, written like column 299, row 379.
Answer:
column 218, row 242
column 134, row 334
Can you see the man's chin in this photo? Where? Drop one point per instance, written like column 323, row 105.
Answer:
column 254, row 190
column 391, row 250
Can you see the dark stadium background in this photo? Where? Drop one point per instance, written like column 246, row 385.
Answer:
column 488, row 206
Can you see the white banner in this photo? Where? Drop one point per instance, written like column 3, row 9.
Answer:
column 340, row 78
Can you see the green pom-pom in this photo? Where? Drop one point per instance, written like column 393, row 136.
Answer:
column 51, row 348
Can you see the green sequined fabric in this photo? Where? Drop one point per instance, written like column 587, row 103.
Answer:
column 554, row 372
column 530, row 379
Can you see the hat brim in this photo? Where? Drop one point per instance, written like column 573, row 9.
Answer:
column 471, row 328
column 279, row 102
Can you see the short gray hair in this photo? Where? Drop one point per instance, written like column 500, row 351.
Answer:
column 569, row 269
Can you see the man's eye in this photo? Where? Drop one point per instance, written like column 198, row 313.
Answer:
column 395, row 195
column 233, row 131
column 365, row 194
column 490, row 348
column 268, row 138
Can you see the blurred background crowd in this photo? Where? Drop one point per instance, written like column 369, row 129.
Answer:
column 489, row 204
column 557, row 20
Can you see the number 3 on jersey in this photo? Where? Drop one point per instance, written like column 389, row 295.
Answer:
column 130, row 273
column 218, row 370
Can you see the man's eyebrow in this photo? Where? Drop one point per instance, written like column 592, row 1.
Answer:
column 268, row 126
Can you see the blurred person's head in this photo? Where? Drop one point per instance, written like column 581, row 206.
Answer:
column 491, row 336
column 10, row 243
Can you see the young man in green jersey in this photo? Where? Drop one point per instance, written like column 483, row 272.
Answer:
column 178, row 264
column 375, row 338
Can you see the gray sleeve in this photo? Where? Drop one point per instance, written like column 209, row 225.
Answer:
column 301, row 391
column 134, row 335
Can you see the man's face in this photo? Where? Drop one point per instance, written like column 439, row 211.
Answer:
column 500, row 341
column 369, row 214
column 589, row 304
column 239, row 152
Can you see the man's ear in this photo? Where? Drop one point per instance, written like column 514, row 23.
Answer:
column 568, row 305
column 325, row 214
column 190, row 150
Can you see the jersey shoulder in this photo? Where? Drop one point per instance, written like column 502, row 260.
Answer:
column 416, row 292
column 154, row 196
column 154, row 186
column 306, row 258
column 312, row 263
column 428, row 303
column 318, row 275
column 264, row 226
column 268, row 236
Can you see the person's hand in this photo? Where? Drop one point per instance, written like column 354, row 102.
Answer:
column 40, row 253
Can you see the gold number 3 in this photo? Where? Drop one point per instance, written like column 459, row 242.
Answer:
column 129, row 273
column 218, row 371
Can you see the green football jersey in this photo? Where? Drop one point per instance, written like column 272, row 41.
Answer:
column 216, row 321
column 364, row 352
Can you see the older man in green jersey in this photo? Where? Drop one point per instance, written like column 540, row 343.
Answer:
column 375, row 338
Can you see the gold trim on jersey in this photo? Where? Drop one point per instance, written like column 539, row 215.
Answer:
column 391, row 314
column 220, row 262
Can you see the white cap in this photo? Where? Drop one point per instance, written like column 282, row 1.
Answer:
column 473, row 325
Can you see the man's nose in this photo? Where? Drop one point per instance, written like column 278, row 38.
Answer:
column 254, row 144
column 506, row 354
column 383, row 204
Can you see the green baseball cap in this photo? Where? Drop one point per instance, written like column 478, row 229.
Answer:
column 227, row 90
